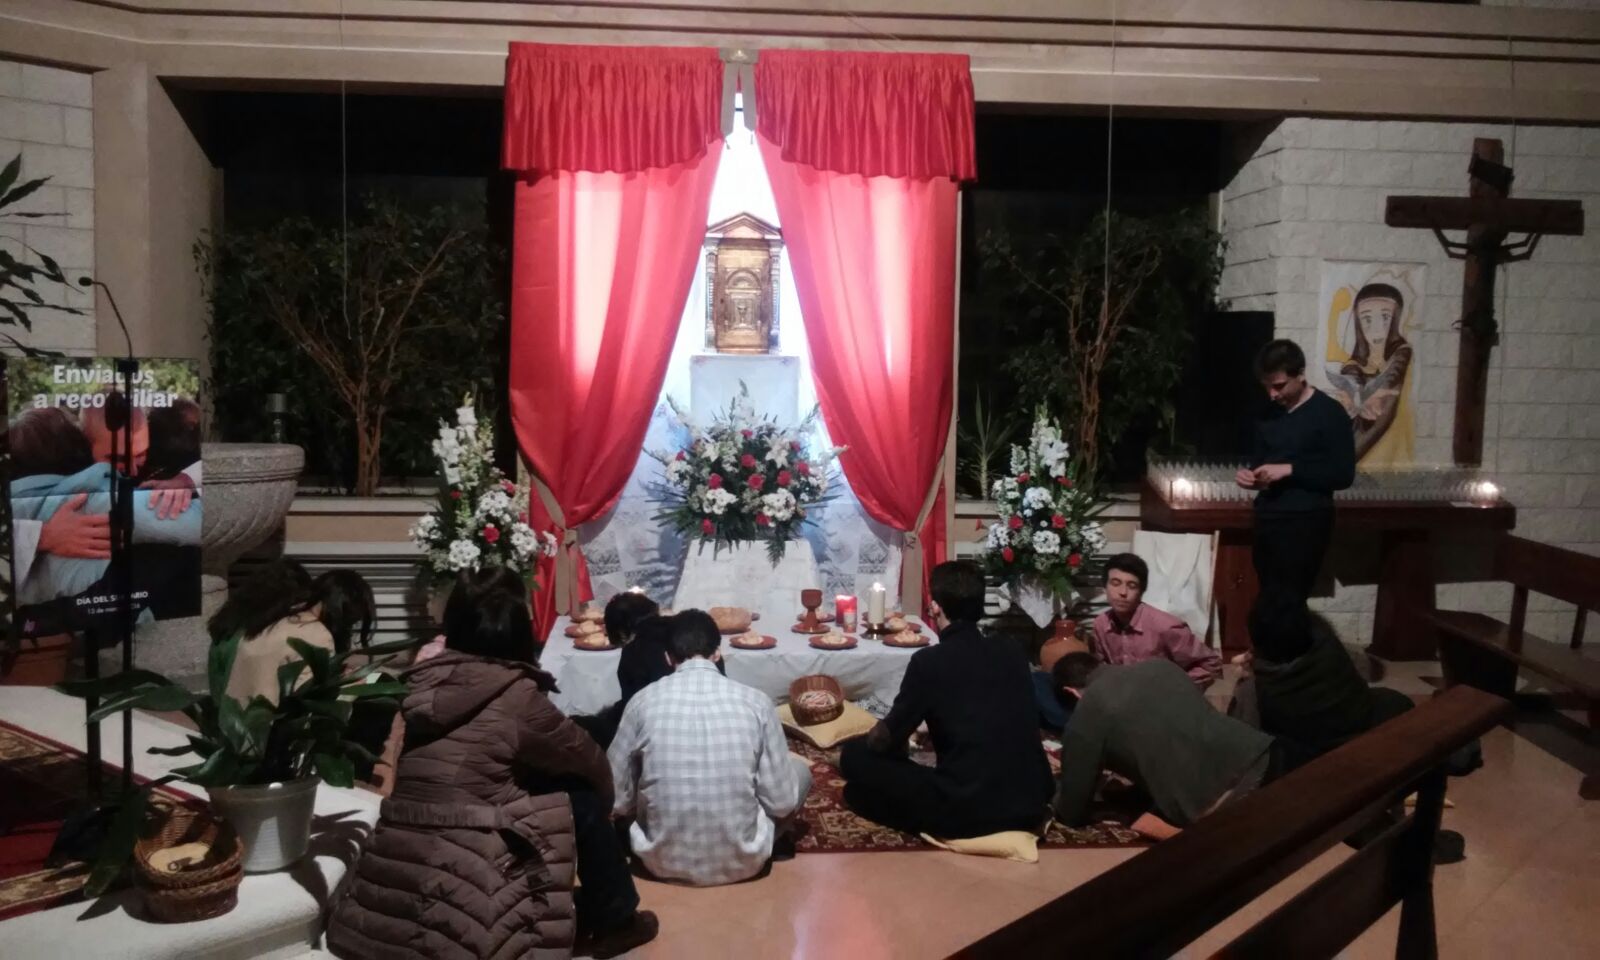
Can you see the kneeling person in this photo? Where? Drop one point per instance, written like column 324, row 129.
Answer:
column 701, row 765
column 977, row 699
column 1146, row 721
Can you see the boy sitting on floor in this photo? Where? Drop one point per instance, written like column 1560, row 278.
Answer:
column 1132, row 630
column 701, row 765
column 973, row 690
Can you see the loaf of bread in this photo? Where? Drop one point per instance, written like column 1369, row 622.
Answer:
column 896, row 623
column 582, row 629
column 731, row 619
column 590, row 614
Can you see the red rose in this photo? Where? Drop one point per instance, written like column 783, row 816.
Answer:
column 757, row 480
column 1065, row 482
column 794, row 445
column 491, row 533
column 1008, row 553
column 746, row 434
column 1024, row 477
column 748, row 461
column 523, row 516
column 714, row 481
column 1058, row 521
column 682, row 456
column 785, row 478
column 1016, row 522
column 1075, row 560
column 508, row 486
column 803, row 468
column 455, row 494
column 762, row 520
column 707, row 527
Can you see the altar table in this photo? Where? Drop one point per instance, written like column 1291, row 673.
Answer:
column 279, row 914
column 588, row 679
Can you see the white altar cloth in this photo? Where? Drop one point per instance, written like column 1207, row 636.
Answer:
column 743, row 577
column 279, row 914
column 588, row 679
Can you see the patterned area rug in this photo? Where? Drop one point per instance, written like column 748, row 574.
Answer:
column 834, row 828
column 41, row 782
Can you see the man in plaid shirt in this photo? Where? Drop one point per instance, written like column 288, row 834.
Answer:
column 700, row 763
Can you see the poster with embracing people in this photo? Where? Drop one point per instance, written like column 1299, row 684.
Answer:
column 62, row 417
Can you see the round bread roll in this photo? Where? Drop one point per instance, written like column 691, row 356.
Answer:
column 896, row 623
column 592, row 640
column 585, row 629
column 590, row 614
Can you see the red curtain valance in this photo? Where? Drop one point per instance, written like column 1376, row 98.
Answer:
column 609, row 109
column 873, row 114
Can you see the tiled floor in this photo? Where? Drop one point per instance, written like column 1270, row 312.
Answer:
column 1530, row 886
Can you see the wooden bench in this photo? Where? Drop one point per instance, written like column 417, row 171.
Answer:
column 1483, row 652
column 1163, row 899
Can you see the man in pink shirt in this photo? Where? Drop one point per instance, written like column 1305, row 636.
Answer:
column 1132, row 630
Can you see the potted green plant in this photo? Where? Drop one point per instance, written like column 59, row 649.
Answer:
column 260, row 761
column 26, row 276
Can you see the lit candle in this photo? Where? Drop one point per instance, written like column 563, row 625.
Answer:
column 876, row 601
column 1487, row 492
column 844, row 612
column 636, row 589
column 1182, row 490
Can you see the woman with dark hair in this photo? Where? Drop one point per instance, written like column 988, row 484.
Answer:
column 279, row 602
column 472, row 854
column 1372, row 382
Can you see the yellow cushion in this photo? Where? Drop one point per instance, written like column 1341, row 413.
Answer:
column 854, row 722
column 1018, row 845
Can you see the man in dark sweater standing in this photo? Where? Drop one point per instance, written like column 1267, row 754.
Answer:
column 1305, row 451
column 975, row 694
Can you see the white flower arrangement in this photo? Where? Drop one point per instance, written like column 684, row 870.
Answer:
column 1046, row 531
column 481, row 519
column 743, row 478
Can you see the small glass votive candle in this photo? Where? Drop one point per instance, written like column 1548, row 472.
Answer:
column 844, row 613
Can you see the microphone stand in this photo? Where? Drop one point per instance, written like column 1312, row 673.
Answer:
column 121, row 529
column 82, row 833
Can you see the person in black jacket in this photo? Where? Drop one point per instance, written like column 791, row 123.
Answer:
column 976, row 697
column 1304, row 452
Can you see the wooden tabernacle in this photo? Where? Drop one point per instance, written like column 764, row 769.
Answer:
column 1406, row 596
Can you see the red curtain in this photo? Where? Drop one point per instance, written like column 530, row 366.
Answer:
column 865, row 152
column 616, row 148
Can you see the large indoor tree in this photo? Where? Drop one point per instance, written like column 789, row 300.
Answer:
column 1100, row 322
column 398, row 312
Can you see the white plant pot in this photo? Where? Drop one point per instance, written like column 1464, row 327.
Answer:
column 273, row 821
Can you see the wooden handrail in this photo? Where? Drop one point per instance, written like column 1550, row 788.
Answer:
column 1163, row 899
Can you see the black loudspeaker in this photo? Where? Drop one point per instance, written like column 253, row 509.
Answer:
column 1220, row 399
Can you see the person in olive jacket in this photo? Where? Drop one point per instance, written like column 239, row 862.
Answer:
column 495, row 792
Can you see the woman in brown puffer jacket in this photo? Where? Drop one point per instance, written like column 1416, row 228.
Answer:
column 494, row 793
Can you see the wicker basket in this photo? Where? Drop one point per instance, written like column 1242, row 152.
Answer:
column 810, row 716
column 206, row 886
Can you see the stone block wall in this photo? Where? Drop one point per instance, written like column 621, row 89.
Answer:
column 1314, row 189
column 46, row 115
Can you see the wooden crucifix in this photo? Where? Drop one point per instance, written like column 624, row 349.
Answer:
column 1489, row 217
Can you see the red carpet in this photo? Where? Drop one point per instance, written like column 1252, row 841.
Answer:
column 41, row 782
column 833, row 828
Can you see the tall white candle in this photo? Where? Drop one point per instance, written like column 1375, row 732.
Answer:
column 876, row 601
